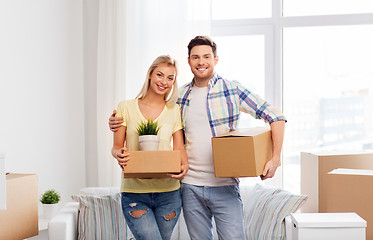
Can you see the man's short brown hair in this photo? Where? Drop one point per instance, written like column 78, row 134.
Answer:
column 202, row 40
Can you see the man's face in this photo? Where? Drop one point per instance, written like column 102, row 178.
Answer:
column 202, row 63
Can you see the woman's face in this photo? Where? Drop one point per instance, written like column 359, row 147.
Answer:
column 162, row 79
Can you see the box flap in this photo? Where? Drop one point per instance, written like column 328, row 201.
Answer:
column 327, row 220
column 326, row 153
column 245, row 132
column 347, row 171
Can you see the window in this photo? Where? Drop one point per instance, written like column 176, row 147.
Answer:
column 317, row 68
column 326, row 7
column 328, row 92
column 236, row 9
column 241, row 58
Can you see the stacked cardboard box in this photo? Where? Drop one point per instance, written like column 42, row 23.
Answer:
column 242, row 153
column 314, row 171
column 351, row 190
column 20, row 219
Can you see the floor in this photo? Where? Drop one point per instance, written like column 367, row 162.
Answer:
column 43, row 235
column 43, row 230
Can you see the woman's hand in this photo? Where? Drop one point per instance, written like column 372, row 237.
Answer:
column 180, row 176
column 122, row 156
column 178, row 142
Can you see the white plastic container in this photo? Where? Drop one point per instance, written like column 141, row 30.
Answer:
column 326, row 226
column 149, row 142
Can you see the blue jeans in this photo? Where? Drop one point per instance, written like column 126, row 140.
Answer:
column 201, row 203
column 151, row 216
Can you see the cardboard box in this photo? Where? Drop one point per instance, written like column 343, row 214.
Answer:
column 326, row 226
column 20, row 219
column 314, row 170
column 351, row 190
column 242, row 153
column 152, row 164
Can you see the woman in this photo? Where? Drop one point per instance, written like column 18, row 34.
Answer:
column 152, row 207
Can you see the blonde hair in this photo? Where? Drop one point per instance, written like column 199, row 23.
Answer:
column 172, row 95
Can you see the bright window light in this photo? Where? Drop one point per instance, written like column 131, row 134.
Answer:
column 236, row 9
column 328, row 93
column 326, row 7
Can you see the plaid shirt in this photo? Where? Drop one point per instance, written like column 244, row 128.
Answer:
column 225, row 101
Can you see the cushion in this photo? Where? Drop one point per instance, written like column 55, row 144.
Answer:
column 101, row 191
column 266, row 210
column 101, row 217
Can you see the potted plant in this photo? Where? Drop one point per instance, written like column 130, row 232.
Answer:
column 50, row 200
column 148, row 138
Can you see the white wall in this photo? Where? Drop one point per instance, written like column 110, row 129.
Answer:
column 90, row 35
column 42, row 92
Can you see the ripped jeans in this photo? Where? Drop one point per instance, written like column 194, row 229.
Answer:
column 152, row 216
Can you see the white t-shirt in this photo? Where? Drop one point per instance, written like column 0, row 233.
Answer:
column 199, row 150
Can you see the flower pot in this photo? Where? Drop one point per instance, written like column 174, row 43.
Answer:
column 50, row 210
column 148, row 142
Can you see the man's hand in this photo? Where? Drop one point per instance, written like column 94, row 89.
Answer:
column 115, row 122
column 270, row 168
column 278, row 129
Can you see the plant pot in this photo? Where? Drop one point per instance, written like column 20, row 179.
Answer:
column 50, row 210
column 148, row 142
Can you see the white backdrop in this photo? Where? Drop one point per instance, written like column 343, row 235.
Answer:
column 65, row 65
column 41, row 92
column 131, row 34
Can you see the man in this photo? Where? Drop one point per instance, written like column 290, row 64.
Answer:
column 211, row 106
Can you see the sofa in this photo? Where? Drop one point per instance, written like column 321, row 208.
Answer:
column 261, row 204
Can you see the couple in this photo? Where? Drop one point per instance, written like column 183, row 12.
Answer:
column 206, row 107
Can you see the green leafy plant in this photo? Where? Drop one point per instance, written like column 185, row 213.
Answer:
column 50, row 197
column 149, row 127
